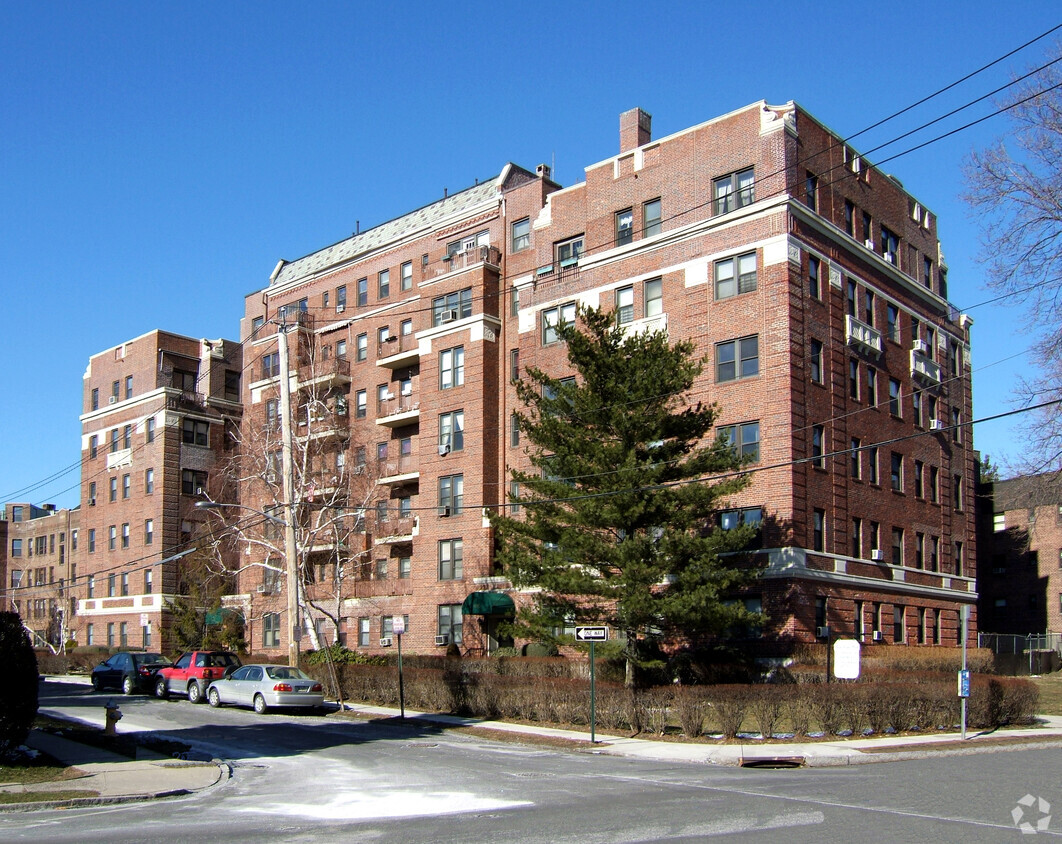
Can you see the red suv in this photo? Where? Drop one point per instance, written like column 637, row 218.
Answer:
column 193, row 673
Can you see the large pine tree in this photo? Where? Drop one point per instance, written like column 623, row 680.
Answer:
column 619, row 524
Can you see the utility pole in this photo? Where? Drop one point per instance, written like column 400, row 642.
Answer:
column 290, row 553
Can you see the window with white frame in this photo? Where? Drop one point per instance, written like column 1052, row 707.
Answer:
column 552, row 318
column 651, row 218
column 625, row 305
column 568, row 251
column 452, row 430
column 734, row 191
column 452, row 306
column 654, row 297
column 624, row 226
column 451, row 367
column 451, row 495
column 451, row 553
column 271, row 630
column 450, row 622
column 521, row 239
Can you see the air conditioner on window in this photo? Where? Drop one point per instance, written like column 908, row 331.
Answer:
column 877, row 554
column 936, row 425
column 359, row 470
column 822, row 632
column 385, row 642
column 260, row 588
column 444, row 450
column 387, row 396
column 876, row 636
column 444, row 639
column 921, row 347
column 869, row 244
column 407, row 389
column 92, row 502
column 271, row 477
column 390, row 338
column 112, row 399
column 890, row 257
column 340, row 308
column 448, row 316
column 444, row 512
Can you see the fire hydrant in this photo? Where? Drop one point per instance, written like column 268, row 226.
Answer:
column 114, row 715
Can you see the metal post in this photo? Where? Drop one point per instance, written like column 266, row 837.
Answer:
column 294, row 627
column 401, row 687
column 964, row 616
column 593, row 714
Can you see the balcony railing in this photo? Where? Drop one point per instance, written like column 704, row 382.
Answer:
column 396, row 344
column 463, row 260
column 406, row 464
column 861, row 334
column 924, row 368
column 324, row 372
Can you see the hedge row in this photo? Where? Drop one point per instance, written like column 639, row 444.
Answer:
column 769, row 710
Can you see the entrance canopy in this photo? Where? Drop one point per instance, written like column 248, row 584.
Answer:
column 488, row 603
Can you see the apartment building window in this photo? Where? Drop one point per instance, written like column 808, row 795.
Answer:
column 451, row 367
column 958, row 551
column 956, row 425
column 816, row 361
column 514, row 430
column 814, row 269
column 112, row 537
column 853, row 379
column 110, row 634
column 92, row 540
column 450, row 559
column 73, row 547
column 383, row 284
column 934, row 553
column 112, row 585
column 849, row 218
column 916, row 408
column 872, row 465
column 818, row 530
column 890, row 245
column 552, row 318
column 94, row 444
column 195, row 432
column 651, row 218
column 406, row 276
column 624, row 226
column 897, row 546
column 271, row 630
column 927, row 272
column 857, row 538
column 149, row 481
column 450, row 622
column 934, row 485
column 734, row 276
column 149, row 429
column 958, row 493
column 625, row 305
column 114, row 489
column 457, row 305
column 115, row 390
column 145, row 636
column 257, row 323
column 125, row 535
column 567, row 252
column 149, row 531
column 919, row 479
column 364, row 632
column 16, row 547
column 818, row 446
column 743, row 439
column 811, row 191
column 124, row 589
column 360, row 404
column 899, row 624
column 405, row 569
column 92, row 494
column 514, row 505
column 126, row 486
column 271, row 365
column 341, row 298
column 921, row 634
column 95, row 401
column 128, row 386
column 892, row 322
column 192, row 482
column 514, row 364
column 868, row 230
column 895, row 407
column 896, row 473
column 521, row 235
column 361, row 345
column 514, row 301
column 875, row 538
column 452, row 431
column 90, row 632
column 854, row 461
column 872, row 386
column 363, row 292
column 654, row 297
column 850, row 297
column 920, row 550
column 341, row 349
column 451, row 495
column 114, row 441
column 737, row 359
column 734, row 191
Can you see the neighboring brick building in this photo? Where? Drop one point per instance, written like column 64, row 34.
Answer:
column 42, row 555
column 1019, row 569
column 813, row 283
column 159, row 412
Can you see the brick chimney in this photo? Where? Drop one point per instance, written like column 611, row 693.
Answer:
column 636, row 128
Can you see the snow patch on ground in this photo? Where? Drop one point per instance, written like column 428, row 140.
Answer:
column 365, row 805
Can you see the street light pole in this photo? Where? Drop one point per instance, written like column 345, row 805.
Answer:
column 294, row 627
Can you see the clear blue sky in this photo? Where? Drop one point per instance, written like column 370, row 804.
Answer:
column 156, row 160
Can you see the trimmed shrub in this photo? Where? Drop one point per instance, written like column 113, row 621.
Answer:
column 18, row 692
column 766, row 709
column 690, row 707
column 730, row 704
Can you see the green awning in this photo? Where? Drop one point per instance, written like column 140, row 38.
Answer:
column 488, row 603
column 218, row 616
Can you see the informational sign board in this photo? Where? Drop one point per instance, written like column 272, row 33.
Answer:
column 964, row 683
column 398, row 624
column 846, row 659
column 591, row 634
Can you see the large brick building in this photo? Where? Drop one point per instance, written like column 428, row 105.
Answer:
column 159, row 412
column 810, row 280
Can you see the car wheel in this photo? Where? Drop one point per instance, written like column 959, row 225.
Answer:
column 97, row 685
column 213, row 697
column 195, row 693
column 161, row 692
column 260, row 705
column 128, row 686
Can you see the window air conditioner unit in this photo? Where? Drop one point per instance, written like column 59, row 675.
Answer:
column 112, row 399
column 340, row 308
column 385, row 642
column 822, row 632
column 92, row 502
column 877, row 554
column 920, row 346
column 390, row 338
column 890, row 257
column 448, row 316
column 869, row 244
column 260, row 588
column 444, row 639
column 876, row 636
column 407, row 389
column 444, row 512
column 387, row 396
column 936, row 425
column 271, row 477
column 359, row 470
column 444, row 450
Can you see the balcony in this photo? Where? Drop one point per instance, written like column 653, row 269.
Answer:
column 328, row 426
column 185, row 400
column 119, row 458
column 397, row 411
column 649, row 325
column 398, row 352
column 924, row 369
column 489, row 255
column 405, row 468
column 324, row 374
column 395, row 531
column 860, row 334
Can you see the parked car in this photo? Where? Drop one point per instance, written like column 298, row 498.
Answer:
column 193, row 672
column 266, row 686
column 130, row 672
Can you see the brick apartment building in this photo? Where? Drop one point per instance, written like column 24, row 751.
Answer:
column 1020, row 561
column 41, row 569
column 810, row 280
column 160, row 412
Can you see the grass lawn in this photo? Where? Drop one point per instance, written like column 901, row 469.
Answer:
column 1050, row 686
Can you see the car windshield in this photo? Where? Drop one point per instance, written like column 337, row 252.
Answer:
column 283, row 672
column 222, row 660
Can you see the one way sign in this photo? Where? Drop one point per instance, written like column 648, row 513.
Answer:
column 591, row 634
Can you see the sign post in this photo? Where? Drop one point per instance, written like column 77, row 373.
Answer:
column 964, row 674
column 398, row 627
column 592, row 635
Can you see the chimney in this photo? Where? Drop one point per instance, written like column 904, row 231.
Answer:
column 635, row 129
column 543, row 171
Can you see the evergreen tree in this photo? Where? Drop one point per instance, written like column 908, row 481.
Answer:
column 619, row 524
column 18, row 692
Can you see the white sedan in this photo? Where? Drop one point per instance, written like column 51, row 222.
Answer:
column 266, row 686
